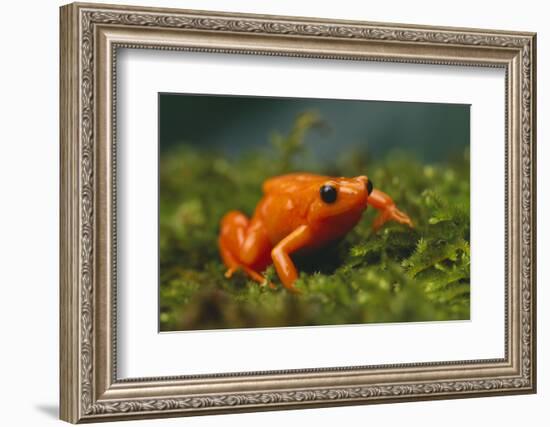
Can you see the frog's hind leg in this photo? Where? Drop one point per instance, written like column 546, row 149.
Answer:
column 233, row 228
column 243, row 245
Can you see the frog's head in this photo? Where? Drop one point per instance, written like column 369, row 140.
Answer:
column 341, row 197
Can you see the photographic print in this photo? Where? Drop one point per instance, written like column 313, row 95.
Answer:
column 225, row 186
column 278, row 212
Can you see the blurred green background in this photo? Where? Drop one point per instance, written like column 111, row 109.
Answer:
column 215, row 152
column 234, row 124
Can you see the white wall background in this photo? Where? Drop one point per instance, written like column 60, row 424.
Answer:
column 29, row 170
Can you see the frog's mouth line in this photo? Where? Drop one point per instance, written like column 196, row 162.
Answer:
column 356, row 209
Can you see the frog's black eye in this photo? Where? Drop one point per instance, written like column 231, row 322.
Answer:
column 328, row 193
column 370, row 187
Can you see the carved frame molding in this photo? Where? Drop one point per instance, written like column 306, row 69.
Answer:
column 90, row 37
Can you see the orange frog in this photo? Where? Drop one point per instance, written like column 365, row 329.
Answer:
column 298, row 212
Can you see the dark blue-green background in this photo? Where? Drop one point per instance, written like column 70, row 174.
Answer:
column 430, row 131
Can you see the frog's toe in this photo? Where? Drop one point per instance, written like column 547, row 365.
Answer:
column 268, row 283
column 254, row 275
column 402, row 218
column 391, row 214
column 379, row 221
column 229, row 273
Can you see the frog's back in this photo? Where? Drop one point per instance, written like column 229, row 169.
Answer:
column 292, row 182
column 286, row 202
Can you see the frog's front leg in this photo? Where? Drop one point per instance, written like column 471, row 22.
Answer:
column 388, row 211
column 286, row 270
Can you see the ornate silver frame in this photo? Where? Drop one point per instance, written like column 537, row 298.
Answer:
column 90, row 36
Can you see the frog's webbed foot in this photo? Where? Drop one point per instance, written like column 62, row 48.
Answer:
column 388, row 211
column 391, row 213
column 254, row 275
column 230, row 271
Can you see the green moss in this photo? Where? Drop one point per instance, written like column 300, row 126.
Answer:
column 396, row 275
